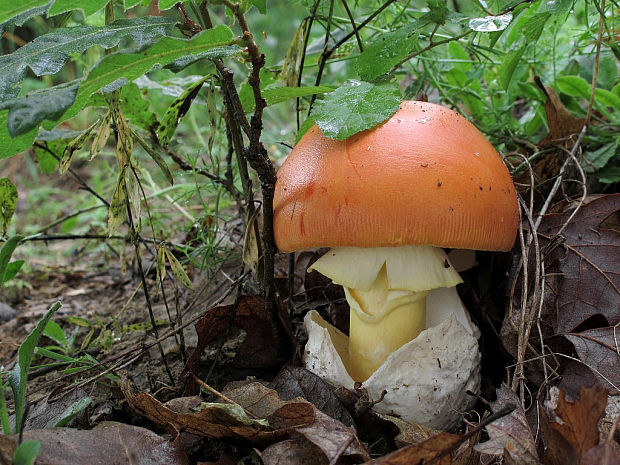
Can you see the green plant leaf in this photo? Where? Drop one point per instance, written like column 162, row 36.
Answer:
column 167, row 4
column 9, row 146
column 607, row 99
column 8, row 202
column 72, row 411
column 132, row 3
column 509, row 65
column 573, row 86
column 609, row 174
column 27, row 452
column 120, row 68
column 11, row 270
column 21, row 18
column 47, row 53
column 5, row 255
column 386, row 51
column 177, row 110
column 276, row 94
column 10, row 9
column 597, row 159
column 533, row 27
column 25, row 113
column 261, row 5
column 137, row 109
column 355, row 106
column 18, row 375
column 157, row 158
column 490, row 23
column 178, row 270
column 87, row 6
column 55, row 333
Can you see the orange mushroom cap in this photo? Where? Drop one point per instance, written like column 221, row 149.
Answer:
column 426, row 176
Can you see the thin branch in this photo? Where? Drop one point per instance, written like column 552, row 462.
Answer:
column 355, row 30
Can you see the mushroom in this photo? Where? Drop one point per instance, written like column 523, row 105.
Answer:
column 386, row 201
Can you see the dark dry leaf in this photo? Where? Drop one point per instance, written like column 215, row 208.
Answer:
column 583, row 272
column 603, row 454
column 598, row 348
column 562, row 124
column 295, row 381
column 222, row 421
column 293, row 452
column 571, row 429
column 438, row 448
column 259, row 351
column 333, row 438
column 510, row 434
column 108, row 443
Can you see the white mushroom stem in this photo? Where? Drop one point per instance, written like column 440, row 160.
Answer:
column 386, row 289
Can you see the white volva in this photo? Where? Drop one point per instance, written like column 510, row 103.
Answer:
column 386, row 288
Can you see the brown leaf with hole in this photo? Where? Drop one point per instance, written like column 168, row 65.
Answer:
column 570, row 429
column 108, row 443
column 603, row 454
column 261, row 349
column 220, row 421
column 510, row 434
column 598, row 348
column 438, row 448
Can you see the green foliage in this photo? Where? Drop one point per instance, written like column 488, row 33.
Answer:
column 356, row 106
column 6, row 271
column 8, row 202
column 18, row 375
column 87, row 6
column 10, row 10
column 27, row 452
column 47, row 53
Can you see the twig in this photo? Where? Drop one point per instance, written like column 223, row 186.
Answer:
column 350, row 15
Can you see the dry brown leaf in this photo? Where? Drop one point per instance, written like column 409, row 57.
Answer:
column 217, row 421
column 562, row 124
column 293, row 452
column 603, row 454
column 570, row 429
column 438, row 448
column 260, row 349
column 108, row 443
column 510, row 434
column 598, row 348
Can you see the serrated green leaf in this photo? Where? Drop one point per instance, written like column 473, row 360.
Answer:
column 129, row 66
column 533, row 27
column 102, row 135
column 21, row 18
column 10, row 9
column 18, row 375
column 27, row 452
column 273, row 95
column 386, row 51
column 25, row 113
column 509, row 65
column 176, row 111
column 178, row 270
column 556, row 7
column 355, row 106
column 157, row 158
column 47, row 53
column 5, row 255
column 137, row 109
column 573, row 86
column 11, row 270
column 87, row 6
column 75, row 144
column 118, row 210
column 8, row 202
column 438, row 11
